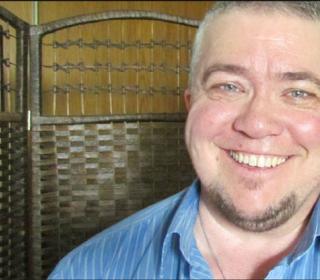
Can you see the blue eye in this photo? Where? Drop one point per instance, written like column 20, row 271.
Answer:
column 229, row 87
column 299, row 94
column 229, row 90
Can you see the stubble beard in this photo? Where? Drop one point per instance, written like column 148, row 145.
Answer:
column 273, row 217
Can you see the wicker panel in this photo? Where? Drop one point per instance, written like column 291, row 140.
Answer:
column 87, row 174
column 13, row 249
column 128, row 66
column 92, row 175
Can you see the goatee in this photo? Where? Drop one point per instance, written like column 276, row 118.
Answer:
column 274, row 216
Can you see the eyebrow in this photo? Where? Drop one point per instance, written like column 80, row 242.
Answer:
column 299, row 76
column 240, row 70
column 228, row 68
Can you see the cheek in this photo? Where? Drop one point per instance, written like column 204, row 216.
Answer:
column 306, row 129
column 209, row 120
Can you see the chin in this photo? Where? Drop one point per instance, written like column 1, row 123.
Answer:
column 252, row 214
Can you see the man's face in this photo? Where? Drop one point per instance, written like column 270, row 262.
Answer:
column 253, row 129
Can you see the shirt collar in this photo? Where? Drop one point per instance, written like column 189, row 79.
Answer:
column 183, row 221
column 182, row 224
column 309, row 237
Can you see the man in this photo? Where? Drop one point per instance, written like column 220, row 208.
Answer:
column 253, row 134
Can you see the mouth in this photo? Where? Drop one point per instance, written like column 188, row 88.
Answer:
column 259, row 161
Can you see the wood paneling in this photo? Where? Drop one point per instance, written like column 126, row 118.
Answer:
column 22, row 9
column 159, row 91
column 54, row 10
column 144, row 70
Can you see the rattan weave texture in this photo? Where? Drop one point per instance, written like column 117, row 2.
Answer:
column 13, row 248
column 92, row 175
column 106, row 128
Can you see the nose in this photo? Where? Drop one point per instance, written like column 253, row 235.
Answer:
column 258, row 119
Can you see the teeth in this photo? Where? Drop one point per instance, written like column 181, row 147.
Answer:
column 261, row 161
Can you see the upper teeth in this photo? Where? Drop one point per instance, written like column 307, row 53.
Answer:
column 257, row 160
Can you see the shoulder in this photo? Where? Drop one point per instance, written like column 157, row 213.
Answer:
column 112, row 246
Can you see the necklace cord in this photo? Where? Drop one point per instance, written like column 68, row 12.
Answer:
column 210, row 248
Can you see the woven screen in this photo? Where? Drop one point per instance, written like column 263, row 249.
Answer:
column 92, row 175
column 13, row 150
column 126, row 66
column 108, row 127
column 100, row 135
column 13, row 219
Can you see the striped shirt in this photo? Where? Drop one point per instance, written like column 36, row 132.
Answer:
column 158, row 243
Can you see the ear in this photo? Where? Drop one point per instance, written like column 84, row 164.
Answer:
column 187, row 99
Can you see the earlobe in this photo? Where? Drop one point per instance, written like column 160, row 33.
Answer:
column 187, row 99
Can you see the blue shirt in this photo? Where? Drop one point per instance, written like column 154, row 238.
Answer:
column 158, row 243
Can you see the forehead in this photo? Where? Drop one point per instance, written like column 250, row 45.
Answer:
column 262, row 40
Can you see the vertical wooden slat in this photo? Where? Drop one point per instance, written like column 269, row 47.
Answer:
column 60, row 77
column 101, row 77
column 130, row 57
column 171, row 77
column 160, row 30
column 183, row 61
column 116, row 54
column 47, row 75
column 1, row 73
column 144, row 78
column 89, row 77
column 73, row 78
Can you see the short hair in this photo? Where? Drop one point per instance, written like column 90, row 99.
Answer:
column 304, row 9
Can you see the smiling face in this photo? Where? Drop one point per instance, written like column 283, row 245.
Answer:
column 253, row 128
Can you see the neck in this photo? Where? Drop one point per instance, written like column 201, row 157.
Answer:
column 235, row 253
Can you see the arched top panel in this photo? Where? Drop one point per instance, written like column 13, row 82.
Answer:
column 112, row 63
column 13, row 20
column 110, row 15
